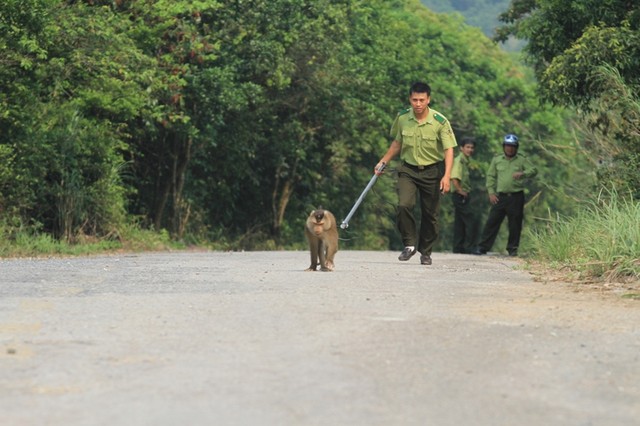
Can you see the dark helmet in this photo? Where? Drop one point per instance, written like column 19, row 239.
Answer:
column 510, row 139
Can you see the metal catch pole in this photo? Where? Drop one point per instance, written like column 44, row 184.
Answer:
column 345, row 222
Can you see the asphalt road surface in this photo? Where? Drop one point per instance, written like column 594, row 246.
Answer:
column 211, row 338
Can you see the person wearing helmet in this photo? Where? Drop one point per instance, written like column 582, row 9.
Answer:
column 506, row 178
column 424, row 140
column 465, row 220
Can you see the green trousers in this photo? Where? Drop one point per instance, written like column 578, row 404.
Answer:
column 511, row 206
column 425, row 184
column 465, row 225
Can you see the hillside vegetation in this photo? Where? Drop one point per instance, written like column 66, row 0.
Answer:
column 483, row 14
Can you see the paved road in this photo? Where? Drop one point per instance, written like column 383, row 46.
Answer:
column 194, row 338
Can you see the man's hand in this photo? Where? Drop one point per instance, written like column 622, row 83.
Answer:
column 493, row 199
column 379, row 169
column 445, row 185
column 518, row 175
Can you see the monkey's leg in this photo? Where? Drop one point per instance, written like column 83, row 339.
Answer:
column 332, row 249
column 324, row 265
column 313, row 249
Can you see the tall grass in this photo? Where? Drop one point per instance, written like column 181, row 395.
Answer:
column 601, row 242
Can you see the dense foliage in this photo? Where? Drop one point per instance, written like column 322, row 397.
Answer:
column 586, row 55
column 228, row 121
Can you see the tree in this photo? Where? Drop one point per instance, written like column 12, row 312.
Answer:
column 574, row 38
column 478, row 13
column 585, row 55
column 300, row 79
column 73, row 68
column 229, row 120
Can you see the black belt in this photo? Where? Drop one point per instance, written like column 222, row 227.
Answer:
column 411, row 166
column 508, row 194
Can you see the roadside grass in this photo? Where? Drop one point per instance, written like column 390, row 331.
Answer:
column 28, row 243
column 599, row 244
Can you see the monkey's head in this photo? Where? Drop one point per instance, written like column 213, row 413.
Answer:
column 318, row 215
column 316, row 221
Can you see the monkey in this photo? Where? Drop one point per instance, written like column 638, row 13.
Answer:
column 322, row 233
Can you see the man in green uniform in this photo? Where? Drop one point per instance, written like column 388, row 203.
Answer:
column 465, row 222
column 423, row 138
column 505, row 184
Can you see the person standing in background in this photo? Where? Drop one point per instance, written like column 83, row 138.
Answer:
column 505, row 184
column 465, row 224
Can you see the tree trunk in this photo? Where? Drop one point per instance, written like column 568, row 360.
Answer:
column 181, row 209
column 280, row 198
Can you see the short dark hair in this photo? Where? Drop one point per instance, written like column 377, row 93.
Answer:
column 420, row 87
column 467, row 141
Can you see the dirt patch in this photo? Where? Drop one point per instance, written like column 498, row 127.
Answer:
column 626, row 288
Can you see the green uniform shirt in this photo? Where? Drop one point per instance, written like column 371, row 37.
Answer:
column 424, row 143
column 500, row 174
column 460, row 171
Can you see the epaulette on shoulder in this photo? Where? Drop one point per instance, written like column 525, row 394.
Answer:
column 404, row 111
column 439, row 118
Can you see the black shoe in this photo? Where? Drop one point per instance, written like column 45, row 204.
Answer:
column 478, row 251
column 425, row 259
column 513, row 252
column 406, row 254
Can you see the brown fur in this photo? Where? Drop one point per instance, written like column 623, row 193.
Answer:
column 322, row 233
